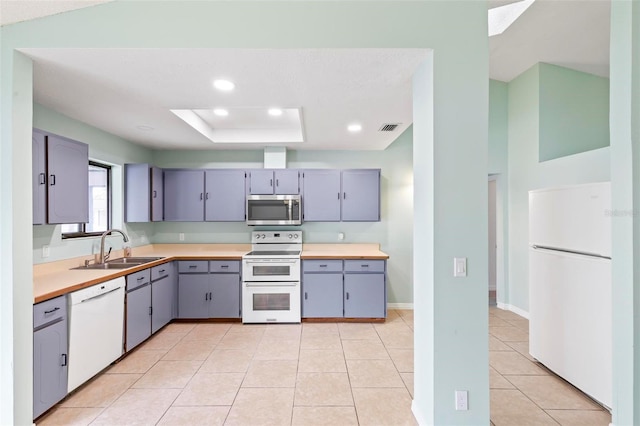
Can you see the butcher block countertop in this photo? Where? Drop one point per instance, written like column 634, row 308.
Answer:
column 57, row 278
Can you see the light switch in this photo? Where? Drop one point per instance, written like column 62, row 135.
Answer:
column 462, row 400
column 459, row 266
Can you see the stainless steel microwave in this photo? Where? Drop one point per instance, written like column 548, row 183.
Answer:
column 274, row 210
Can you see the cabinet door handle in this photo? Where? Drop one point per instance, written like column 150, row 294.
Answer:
column 277, row 182
column 201, row 196
column 155, row 194
column 150, row 310
column 207, row 196
column 42, row 178
column 210, row 296
column 344, row 195
column 64, row 360
column 347, row 295
column 271, row 183
column 206, row 296
column 305, row 295
column 52, row 180
column 57, row 308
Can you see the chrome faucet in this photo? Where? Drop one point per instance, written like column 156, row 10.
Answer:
column 102, row 258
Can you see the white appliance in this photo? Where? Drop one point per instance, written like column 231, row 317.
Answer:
column 271, row 278
column 96, row 320
column 570, row 305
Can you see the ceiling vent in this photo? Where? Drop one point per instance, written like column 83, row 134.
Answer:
column 388, row 127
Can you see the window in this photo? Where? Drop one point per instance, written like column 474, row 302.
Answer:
column 99, row 204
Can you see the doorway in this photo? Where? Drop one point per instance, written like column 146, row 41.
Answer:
column 492, row 242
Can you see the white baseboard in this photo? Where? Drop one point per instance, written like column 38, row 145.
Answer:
column 418, row 414
column 513, row 309
column 400, row 306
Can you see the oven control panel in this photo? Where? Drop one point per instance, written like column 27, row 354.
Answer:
column 276, row 237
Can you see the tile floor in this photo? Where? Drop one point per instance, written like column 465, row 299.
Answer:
column 309, row 374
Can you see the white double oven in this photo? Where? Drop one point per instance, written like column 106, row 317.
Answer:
column 271, row 278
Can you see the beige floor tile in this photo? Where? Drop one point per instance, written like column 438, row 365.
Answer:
column 393, row 316
column 402, row 359
column 522, row 348
column 138, row 361
column 240, row 327
column 383, row 406
column 101, row 391
column 357, row 331
column 503, row 314
column 162, row 341
column 138, row 407
column 550, row 392
column 262, row 406
column 406, row 315
column 240, row 340
column 369, row 373
column 329, row 389
column 364, row 349
column 512, row 363
column 324, row 416
column 179, row 327
column 168, row 374
column 283, row 331
column 320, row 341
column 70, row 416
column 310, row 328
column 397, row 339
column 278, row 349
column 210, row 389
column 497, row 380
column 211, row 333
column 190, row 416
column 522, row 324
column 494, row 321
column 509, row 334
column 271, row 374
column 322, row 361
column 407, row 378
column 227, row 361
column 581, row 417
column 497, row 345
column 190, row 350
column 511, row 407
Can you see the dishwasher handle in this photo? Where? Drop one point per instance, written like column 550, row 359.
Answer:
column 100, row 295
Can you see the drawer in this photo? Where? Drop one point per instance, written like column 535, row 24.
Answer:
column 160, row 271
column 364, row 265
column 193, row 266
column 322, row 266
column 138, row 279
column 224, row 266
column 50, row 311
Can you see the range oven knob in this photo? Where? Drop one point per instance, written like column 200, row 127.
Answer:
column 263, row 236
column 295, row 236
column 290, row 236
column 257, row 236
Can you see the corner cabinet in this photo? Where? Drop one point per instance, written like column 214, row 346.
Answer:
column 143, row 193
column 341, row 195
column 49, row 354
column 344, row 289
column 61, row 188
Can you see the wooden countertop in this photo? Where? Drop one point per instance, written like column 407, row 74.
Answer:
column 57, row 278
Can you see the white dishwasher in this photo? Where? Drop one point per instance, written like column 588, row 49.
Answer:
column 96, row 319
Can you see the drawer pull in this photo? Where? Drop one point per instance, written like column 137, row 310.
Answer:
column 140, row 278
column 161, row 270
column 193, row 266
column 224, row 266
column 57, row 308
column 364, row 266
column 323, row 266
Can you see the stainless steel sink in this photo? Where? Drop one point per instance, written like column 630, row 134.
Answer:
column 120, row 263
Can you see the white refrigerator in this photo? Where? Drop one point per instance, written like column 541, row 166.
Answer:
column 570, row 309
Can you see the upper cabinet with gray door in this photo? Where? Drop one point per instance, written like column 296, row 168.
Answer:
column 144, row 190
column 321, row 195
column 184, row 195
column 274, row 181
column 225, row 199
column 361, row 195
column 63, row 184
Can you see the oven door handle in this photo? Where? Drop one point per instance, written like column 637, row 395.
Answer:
column 271, row 284
column 270, row 262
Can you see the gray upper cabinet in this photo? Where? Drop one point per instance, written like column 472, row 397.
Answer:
column 143, row 189
column 321, row 195
column 39, row 179
column 225, row 199
column 184, row 195
column 268, row 181
column 60, row 179
column 68, row 180
column 361, row 195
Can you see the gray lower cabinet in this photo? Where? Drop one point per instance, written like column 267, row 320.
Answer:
column 49, row 354
column 163, row 286
column 138, row 327
column 349, row 289
column 204, row 294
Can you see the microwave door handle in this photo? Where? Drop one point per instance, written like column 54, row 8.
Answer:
column 290, row 210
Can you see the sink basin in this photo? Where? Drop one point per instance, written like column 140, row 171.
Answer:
column 120, row 263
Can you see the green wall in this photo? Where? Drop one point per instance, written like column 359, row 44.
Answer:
column 451, row 350
column 574, row 112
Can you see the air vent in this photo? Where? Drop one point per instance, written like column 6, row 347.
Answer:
column 388, row 127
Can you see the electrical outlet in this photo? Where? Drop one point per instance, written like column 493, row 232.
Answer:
column 462, row 400
column 181, row 236
column 45, row 251
column 341, row 236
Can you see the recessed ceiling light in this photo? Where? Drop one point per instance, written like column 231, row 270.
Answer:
column 354, row 128
column 275, row 112
column 221, row 112
column 144, row 128
column 224, row 85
